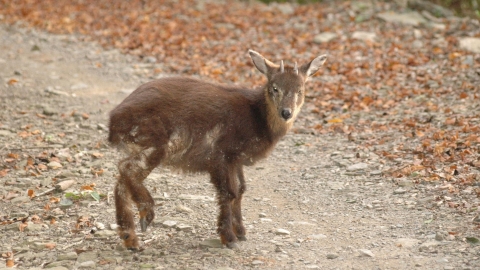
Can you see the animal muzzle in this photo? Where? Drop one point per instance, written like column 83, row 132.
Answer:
column 286, row 114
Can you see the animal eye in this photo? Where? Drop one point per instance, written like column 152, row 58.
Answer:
column 275, row 89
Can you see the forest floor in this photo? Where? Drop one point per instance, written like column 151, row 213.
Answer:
column 381, row 169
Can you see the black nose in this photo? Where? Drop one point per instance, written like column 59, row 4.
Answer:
column 286, row 114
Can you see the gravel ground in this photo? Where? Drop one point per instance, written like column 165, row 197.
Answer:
column 320, row 201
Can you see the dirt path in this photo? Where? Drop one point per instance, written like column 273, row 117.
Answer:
column 319, row 202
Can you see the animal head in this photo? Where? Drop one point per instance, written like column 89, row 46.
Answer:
column 285, row 89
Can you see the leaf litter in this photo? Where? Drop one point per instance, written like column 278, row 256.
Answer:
column 416, row 106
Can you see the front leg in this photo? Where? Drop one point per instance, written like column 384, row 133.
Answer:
column 237, row 206
column 224, row 180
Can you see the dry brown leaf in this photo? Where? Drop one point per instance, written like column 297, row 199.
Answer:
column 31, row 193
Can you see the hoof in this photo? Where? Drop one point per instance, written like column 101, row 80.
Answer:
column 242, row 238
column 143, row 224
column 232, row 245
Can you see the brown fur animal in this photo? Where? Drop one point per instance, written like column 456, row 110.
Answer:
column 202, row 127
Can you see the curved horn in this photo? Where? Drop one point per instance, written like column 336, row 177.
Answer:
column 281, row 67
column 295, row 68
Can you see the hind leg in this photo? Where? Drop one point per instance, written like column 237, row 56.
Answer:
column 133, row 171
column 238, row 227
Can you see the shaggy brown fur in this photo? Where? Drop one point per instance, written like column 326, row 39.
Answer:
column 202, row 127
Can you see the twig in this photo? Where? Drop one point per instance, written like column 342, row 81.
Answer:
column 27, row 148
column 45, row 192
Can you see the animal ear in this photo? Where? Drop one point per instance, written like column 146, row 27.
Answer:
column 309, row 69
column 261, row 63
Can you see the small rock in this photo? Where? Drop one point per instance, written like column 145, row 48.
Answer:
column 183, row 209
column 5, row 133
column 324, row 37
column 410, row 18
column 366, row 253
column 470, row 44
column 169, row 223
column 428, row 246
column 332, row 256
column 406, row 242
column 104, row 233
column 318, row 236
column 282, row 232
column 87, row 264
column 70, row 256
column 361, row 35
column 20, row 199
column 399, row 191
column 211, row 243
column 286, row 9
column 54, row 165
column 257, row 262
column 262, row 215
column 357, row 167
column 99, row 225
column 184, row 227
column 32, row 227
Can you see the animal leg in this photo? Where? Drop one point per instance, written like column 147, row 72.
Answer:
column 237, row 206
column 133, row 171
column 227, row 190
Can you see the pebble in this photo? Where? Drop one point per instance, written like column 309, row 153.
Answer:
column 169, row 223
column 183, row 209
column 257, row 262
column 211, row 243
column 54, row 165
column 332, row 256
column 357, row 167
column 406, row 242
column 410, row 18
column 324, row 37
column 471, row 44
column 366, row 253
column 87, row 264
column 399, row 191
column 67, row 256
column 282, row 232
column 361, row 35
column 317, row 236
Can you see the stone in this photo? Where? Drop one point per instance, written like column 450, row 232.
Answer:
column 32, row 227
column 357, row 167
column 104, row 233
column 211, row 243
column 399, row 191
column 86, row 256
column 169, row 223
column 70, row 256
column 87, row 264
column 286, row 8
column 332, row 256
column 324, row 37
column 282, row 232
column 366, row 253
column 54, row 165
column 184, row 228
column 183, row 209
column 428, row 246
column 406, row 242
column 361, row 35
column 257, row 262
column 5, row 133
column 410, row 18
column 317, row 236
column 471, row 44
column 20, row 199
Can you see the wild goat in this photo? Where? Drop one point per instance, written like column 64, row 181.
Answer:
column 197, row 126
